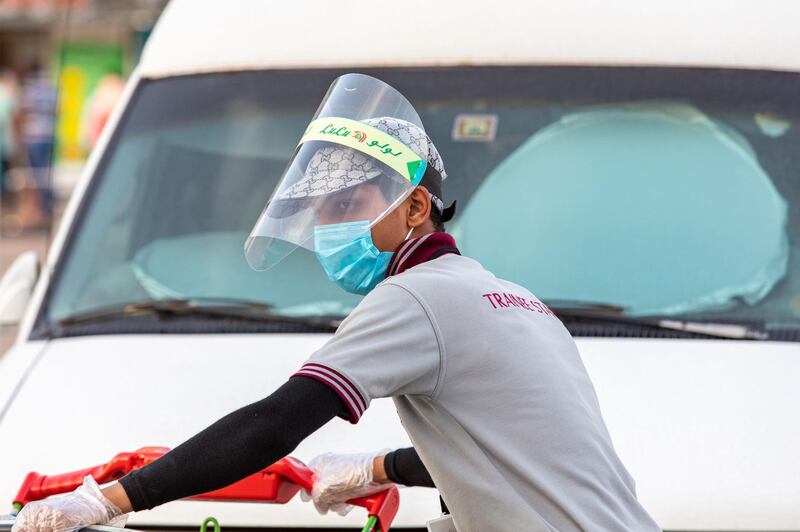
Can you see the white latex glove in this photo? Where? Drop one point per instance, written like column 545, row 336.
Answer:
column 340, row 477
column 67, row 513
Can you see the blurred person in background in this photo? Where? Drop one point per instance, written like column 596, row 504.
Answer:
column 99, row 107
column 37, row 105
column 7, row 112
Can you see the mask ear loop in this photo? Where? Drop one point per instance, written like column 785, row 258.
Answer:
column 409, row 234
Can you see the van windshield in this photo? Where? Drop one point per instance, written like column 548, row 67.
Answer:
column 657, row 191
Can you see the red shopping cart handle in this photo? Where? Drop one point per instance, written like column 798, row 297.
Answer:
column 278, row 484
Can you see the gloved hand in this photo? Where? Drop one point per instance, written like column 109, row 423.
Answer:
column 340, row 477
column 67, row 513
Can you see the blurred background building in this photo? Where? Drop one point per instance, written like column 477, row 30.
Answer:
column 62, row 67
column 63, row 64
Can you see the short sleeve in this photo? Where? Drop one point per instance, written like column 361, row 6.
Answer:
column 386, row 347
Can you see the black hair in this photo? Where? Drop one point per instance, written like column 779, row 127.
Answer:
column 437, row 219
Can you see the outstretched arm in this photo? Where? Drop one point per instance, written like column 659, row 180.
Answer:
column 234, row 447
column 238, row 445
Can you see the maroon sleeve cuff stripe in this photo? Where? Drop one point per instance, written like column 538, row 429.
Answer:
column 340, row 384
column 360, row 402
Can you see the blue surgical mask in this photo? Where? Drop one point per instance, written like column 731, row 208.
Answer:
column 349, row 256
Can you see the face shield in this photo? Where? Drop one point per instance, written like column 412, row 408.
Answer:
column 362, row 154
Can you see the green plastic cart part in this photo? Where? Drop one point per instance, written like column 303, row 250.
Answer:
column 373, row 520
column 207, row 521
column 369, row 527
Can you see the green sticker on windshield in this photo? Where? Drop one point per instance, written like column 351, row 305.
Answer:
column 370, row 141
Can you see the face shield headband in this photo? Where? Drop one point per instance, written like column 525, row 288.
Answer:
column 370, row 141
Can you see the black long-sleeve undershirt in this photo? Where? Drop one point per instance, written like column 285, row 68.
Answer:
column 404, row 466
column 238, row 445
column 248, row 440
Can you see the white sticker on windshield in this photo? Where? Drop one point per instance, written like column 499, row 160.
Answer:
column 772, row 125
column 474, row 128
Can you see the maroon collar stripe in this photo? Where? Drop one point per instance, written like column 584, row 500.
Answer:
column 397, row 254
column 410, row 251
column 418, row 250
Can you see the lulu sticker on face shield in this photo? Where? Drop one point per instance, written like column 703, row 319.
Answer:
column 381, row 146
column 474, row 128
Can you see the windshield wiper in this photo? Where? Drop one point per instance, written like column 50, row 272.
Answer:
column 216, row 308
column 719, row 330
column 577, row 305
column 577, row 310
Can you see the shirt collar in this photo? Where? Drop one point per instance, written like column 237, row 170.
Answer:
column 418, row 250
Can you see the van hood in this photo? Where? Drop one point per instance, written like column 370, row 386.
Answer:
column 709, row 429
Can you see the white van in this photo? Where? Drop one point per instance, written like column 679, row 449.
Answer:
column 636, row 165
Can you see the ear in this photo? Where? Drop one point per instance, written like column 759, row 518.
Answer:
column 419, row 207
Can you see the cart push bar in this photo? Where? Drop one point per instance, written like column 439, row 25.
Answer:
column 277, row 484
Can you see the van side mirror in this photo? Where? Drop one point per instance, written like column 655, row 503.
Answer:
column 16, row 287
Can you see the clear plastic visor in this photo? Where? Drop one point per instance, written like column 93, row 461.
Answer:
column 362, row 154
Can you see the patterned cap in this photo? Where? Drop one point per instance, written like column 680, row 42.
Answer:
column 334, row 168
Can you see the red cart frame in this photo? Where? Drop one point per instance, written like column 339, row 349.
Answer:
column 277, row 484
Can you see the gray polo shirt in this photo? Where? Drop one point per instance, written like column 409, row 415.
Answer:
column 491, row 389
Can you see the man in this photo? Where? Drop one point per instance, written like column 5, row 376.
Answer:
column 487, row 381
column 38, row 107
